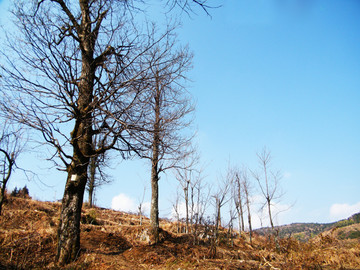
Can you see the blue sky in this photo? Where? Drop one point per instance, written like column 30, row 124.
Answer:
column 280, row 74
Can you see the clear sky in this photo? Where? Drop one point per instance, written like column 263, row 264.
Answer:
column 281, row 74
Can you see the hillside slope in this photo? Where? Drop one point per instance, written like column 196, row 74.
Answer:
column 306, row 231
column 116, row 240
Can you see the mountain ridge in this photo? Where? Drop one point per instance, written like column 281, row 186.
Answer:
column 304, row 231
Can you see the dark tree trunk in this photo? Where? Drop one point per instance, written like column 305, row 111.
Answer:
column 69, row 226
column 11, row 163
column 2, row 198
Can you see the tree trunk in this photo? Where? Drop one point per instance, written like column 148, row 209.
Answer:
column 186, row 191
column 240, row 227
column 91, row 185
column 154, row 213
column 249, row 221
column 270, row 216
column 69, row 226
column 241, row 215
column 5, row 179
column 140, row 213
column 2, row 198
column 218, row 220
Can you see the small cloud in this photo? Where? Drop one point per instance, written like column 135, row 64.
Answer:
column 124, row 203
column 341, row 211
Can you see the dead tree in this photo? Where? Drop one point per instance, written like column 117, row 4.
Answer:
column 167, row 113
column 268, row 182
column 141, row 206
column 221, row 198
column 238, row 195
column 200, row 197
column 11, row 146
column 185, row 174
column 72, row 73
column 97, row 175
column 247, row 188
column 69, row 74
column 176, row 208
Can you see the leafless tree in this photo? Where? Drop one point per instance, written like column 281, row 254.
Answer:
column 230, row 226
column 11, row 146
column 221, row 198
column 200, row 197
column 167, row 113
column 97, row 175
column 238, row 195
column 79, row 64
column 185, row 174
column 71, row 69
column 141, row 206
column 247, row 188
column 268, row 182
column 176, row 208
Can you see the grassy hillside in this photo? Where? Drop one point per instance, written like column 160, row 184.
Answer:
column 116, row 240
column 306, row 231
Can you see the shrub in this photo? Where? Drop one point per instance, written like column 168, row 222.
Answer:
column 22, row 193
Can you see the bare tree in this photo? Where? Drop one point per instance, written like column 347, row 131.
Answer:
column 230, row 226
column 168, row 109
column 268, row 182
column 245, row 182
column 200, row 197
column 221, row 198
column 96, row 172
column 185, row 174
column 176, row 208
column 141, row 206
column 70, row 75
column 238, row 195
column 75, row 64
column 11, row 146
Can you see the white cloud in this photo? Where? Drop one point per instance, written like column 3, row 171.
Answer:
column 341, row 211
column 122, row 202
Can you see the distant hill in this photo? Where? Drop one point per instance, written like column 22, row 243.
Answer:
column 306, row 231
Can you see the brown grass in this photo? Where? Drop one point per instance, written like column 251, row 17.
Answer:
column 115, row 240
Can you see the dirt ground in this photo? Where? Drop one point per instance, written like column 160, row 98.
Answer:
column 116, row 240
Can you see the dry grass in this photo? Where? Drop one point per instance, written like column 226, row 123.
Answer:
column 115, row 240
